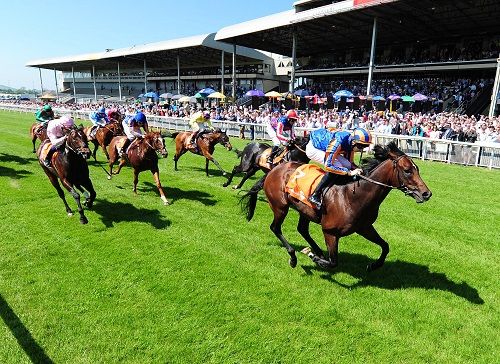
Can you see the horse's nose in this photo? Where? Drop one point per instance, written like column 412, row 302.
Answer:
column 426, row 195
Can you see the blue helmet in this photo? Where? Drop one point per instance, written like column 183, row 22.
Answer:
column 140, row 117
column 101, row 110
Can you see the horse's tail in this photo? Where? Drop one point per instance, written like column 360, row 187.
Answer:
column 249, row 200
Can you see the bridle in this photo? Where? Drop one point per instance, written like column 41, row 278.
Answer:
column 402, row 187
column 69, row 147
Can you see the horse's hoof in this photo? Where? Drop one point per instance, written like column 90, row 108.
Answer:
column 224, row 173
column 83, row 220
column 293, row 262
column 70, row 213
column 235, row 187
column 109, row 177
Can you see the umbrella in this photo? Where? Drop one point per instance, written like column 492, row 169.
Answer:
column 141, row 95
column 193, row 100
column 343, row 93
column 206, row 91
column 256, row 93
column 301, row 93
column 419, row 97
column 378, row 98
column 362, row 97
column 273, row 94
column 407, row 98
column 216, row 95
column 167, row 95
column 199, row 95
column 394, row 97
column 177, row 97
column 185, row 99
column 152, row 95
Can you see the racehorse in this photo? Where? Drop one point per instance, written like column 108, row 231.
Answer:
column 104, row 134
column 37, row 132
column 348, row 208
column 205, row 145
column 254, row 158
column 71, row 169
column 142, row 157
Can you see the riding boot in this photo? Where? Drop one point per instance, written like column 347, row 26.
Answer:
column 316, row 197
column 275, row 149
column 48, row 158
column 193, row 139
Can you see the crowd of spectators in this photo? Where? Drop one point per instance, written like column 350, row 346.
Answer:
column 442, row 125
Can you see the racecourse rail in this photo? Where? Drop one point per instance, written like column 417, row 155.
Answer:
column 478, row 154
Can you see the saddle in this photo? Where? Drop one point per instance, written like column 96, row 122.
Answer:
column 277, row 159
column 303, row 182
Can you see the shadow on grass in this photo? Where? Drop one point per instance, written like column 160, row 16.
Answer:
column 174, row 193
column 395, row 276
column 9, row 158
column 22, row 334
column 113, row 212
column 14, row 173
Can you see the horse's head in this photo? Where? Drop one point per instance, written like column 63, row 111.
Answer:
column 297, row 148
column 223, row 139
column 116, row 127
column 116, row 116
column 77, row 142
column 405, row 173
column 155, row 141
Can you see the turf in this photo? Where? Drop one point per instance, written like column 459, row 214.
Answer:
column 194, row 282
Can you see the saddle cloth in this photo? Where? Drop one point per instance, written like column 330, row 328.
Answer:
column 263, row 158
column 303, row 182
column 45, row 150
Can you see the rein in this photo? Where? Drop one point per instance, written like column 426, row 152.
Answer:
column 401, row 187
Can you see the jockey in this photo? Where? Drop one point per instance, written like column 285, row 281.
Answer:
column 44, row 115
column 57, row 130
column 275, row 130
column 98, row 118
column 335, row 150
column 132, row 125
column 113, row 114
column 200, row 117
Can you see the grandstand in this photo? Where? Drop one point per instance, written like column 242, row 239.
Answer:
column 320, row 45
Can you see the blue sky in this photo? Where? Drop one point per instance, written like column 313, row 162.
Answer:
column 32, row 30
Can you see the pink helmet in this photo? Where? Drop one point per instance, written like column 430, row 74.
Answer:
column 67, row 122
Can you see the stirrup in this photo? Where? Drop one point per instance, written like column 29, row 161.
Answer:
column 316, row 202
column 46, row 163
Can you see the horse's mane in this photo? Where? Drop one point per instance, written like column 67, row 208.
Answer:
column 381, row 153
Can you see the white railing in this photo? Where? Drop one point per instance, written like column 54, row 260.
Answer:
column 478, row 154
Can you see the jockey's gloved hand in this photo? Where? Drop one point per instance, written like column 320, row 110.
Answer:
column 355, row 172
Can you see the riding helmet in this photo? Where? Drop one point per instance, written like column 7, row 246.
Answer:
column 101, row 110
column 292, row 114
column 140, row 117
column 47, row 108
column 362, row 136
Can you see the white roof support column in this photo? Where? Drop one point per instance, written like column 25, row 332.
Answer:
column 294, row 60
column 74, row 87
column 372, row 58
column 41, row 82
column 119, row 83
column 233, row 93
column 496, row 89
column 222, row 73
column 93, row 79
column 55, row 79
column 178, row 74
column 145, row 78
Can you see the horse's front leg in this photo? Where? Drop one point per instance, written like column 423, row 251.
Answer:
column 60, row 192
column 76, row 196
column 136, row 180
column 89, row 200
column 303, row 229
column 236, row 169
column 279, row 216
column 156, row 175
column 246, row 176
column 209, row 157
column 103, row 147
column 372, row 235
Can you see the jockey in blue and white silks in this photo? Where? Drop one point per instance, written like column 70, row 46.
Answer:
column 98, row 118
column 335, row 151
column 132, row 125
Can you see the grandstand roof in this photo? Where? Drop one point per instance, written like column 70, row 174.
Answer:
column 196, row 51
column 348, row 24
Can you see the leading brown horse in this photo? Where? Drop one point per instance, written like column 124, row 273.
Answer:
column 71, row 168
column 104, row 135
column 142, row 157
column 205, row 145
column 348, row 208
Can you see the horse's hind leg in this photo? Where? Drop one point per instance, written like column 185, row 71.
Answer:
column 136, row 180
column 60, row 192
column 246, row 176
column 371, row 234
column 76, row 196
column 303, row 229
column 33, row 140
column 236, row 169
column 279, row 217
column 332, row 243
column 156, row 175
column 89, row 201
